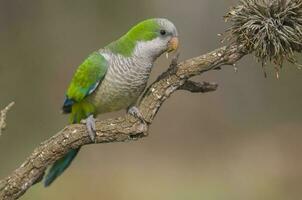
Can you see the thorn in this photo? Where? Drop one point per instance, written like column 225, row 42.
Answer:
column 167, row 55
column 277, row 72
column 235, row 68
column 263, row 68
column 298, row 65
column 3, row 116
column 277, row 75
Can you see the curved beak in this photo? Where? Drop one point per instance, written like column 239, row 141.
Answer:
column 173, row 44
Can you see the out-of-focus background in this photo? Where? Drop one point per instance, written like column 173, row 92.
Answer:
column 241, row 142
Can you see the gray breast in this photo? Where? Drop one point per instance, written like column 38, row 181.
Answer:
column 124, row 81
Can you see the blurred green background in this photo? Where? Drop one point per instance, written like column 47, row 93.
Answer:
column 241, row 142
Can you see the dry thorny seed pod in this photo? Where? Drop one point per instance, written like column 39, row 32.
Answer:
column 272, row 29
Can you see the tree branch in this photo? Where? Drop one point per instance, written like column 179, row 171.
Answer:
column 121, row 129
column 3, row 116
column 251, row 26
column 195, row 87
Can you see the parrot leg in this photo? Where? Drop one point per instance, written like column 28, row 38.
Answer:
column 135, row 112
column 90, row 124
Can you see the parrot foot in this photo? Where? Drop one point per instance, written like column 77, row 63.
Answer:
column 135, row 112
column 90, row 125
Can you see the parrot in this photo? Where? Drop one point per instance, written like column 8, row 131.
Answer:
column 113, row 78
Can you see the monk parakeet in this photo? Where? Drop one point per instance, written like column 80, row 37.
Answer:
column 113, row 78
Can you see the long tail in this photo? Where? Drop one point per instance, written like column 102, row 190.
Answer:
column 59, row 166
column 78, row 111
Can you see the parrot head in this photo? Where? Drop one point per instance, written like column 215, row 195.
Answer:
column 148, row 39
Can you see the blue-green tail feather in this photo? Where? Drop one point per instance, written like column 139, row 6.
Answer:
column 59, row 166
column 79, row 111
column 86, row 79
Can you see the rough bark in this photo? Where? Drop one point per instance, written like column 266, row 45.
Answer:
column 126, row 128
column 3, row 114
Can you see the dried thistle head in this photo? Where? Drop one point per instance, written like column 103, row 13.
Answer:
column 272, row 29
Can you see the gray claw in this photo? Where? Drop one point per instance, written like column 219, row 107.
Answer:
column 134, row 111
column 90, row 124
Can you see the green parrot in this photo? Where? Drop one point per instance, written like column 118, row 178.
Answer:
column 113, row 78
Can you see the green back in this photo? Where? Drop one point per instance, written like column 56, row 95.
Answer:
column 144, row 31
column 87, row 77
column 89, row 73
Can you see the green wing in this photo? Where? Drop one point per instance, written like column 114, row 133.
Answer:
column 86, row 79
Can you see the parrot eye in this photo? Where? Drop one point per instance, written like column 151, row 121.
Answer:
column 163, row 32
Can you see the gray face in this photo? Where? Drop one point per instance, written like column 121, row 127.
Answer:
column 167, row 27
column 150, row 50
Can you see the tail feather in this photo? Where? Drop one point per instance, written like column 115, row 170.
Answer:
column 59, row 166
column 67, row 106
column 78, row 111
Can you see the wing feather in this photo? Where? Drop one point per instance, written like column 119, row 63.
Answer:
column 86, row 79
